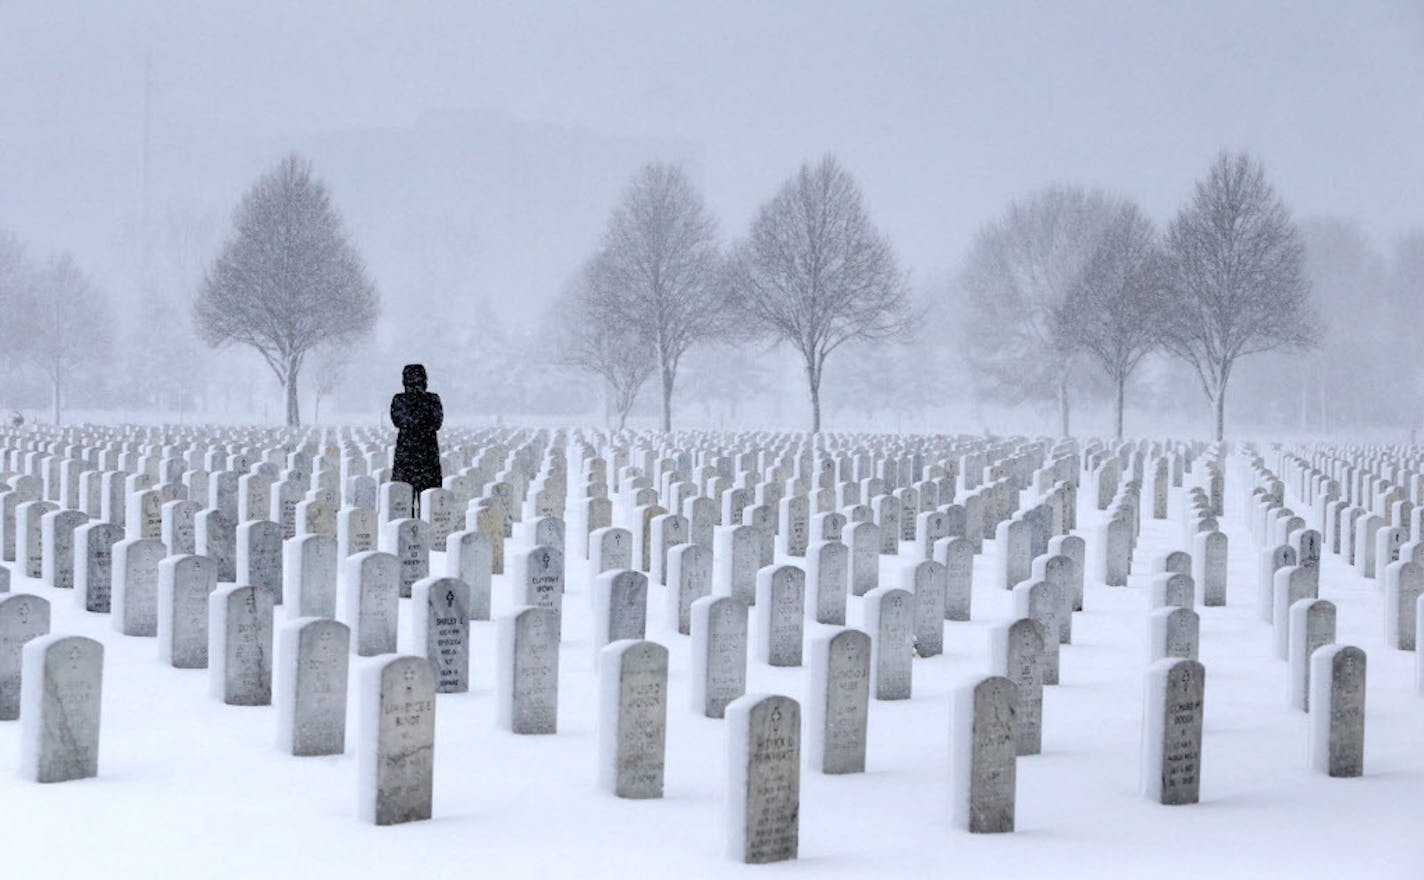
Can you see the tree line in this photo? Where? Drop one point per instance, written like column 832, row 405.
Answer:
column 1066, row 283
column 1066, row 277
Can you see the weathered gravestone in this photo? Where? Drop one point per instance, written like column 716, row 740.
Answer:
column 838, row 702
column 1016, row 653
column 632, row 721
column 259, row 556
column 719, row 653
column 1209, row 566
column 309, row 576
column 956, row 554
column 309, row 686
column 983, row 749
column 409, row 541
column 925, row 581
column 1312, row 625
column 689, row 578
column 1172, row 731
column 61, row 691
column 1172, row 631
column 779, row 615
column 470, row 557
column 240, row 646
column 890, row 621
column 372, row 602
column 396, row 748
column 184, row 585
column 1337, row 710
column 94, row 565
column 440, row 630
column 1040, row 600
column 528, row 675
column 22, row 617
column 764, row 778
column 828, row 577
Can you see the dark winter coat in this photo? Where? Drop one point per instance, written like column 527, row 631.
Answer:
column 417, row 415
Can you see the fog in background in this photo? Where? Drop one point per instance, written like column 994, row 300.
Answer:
column 476, row 150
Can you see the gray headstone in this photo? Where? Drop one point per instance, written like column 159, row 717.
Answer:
column 983, row 749
column 396, row 748
column 240, row 645
column 440, row 630
column 372, row 601
column 719, row 653
column 528, row 674
column 1312, row 625
column 632, row 729
column 22, row 617
column 1016, row 653
column 838, row 702
column 779, row 615
column 1337, row 710
column 764, row 779
column 1172, row 731
column 310, row 686
column 184, row 585
column 60, row 695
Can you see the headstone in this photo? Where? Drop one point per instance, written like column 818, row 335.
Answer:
column 632, row 729
column 828, row 578
column 470, row 557
column 259, row 556
column 309, row 576
column 764, row 778
column 838, row 702
column 719, row 653
column 1312, row 625
column 310, row 686
column 1040, row 600
column 528, row 674
column 1337, row 710
column 184, row 586
column 1172, row 631
column 956, row 554
column 240, row 645
column 925, row 581
column 1172, row 731
column 1209, row 567
column 779, row 615
column 1016, row 653
column 94, row 565
column 396, row 748
column 22, row 617
column 61, row 691
column 689, row 578
column 983, row 749
column 440, row 630
column 371, row 602
column 890, row 621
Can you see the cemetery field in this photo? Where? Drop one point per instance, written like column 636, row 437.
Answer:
column 189, row 786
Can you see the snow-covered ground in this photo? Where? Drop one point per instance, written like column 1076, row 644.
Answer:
column 190, row 787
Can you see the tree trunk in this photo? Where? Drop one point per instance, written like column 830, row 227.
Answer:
column 55, row 400
column 1117, row 412
column 294, row 418
column 668, row 378
column 813, row 378
column 1220, row 404
column 1063, row 405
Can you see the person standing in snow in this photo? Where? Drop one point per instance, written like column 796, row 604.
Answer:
column 417, row 415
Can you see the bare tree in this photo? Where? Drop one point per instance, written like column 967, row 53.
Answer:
column 606, row 346
column 67, row 326
column 1020, row 271
column 657, row 270
column 331, row 362
column 1237, row 273
column 1114, row 309
column 288, row 279
column 814, row 272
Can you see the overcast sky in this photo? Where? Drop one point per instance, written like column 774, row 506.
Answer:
column 944, row 111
